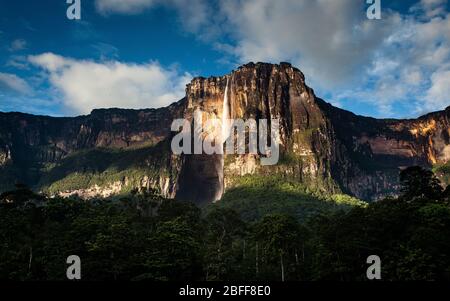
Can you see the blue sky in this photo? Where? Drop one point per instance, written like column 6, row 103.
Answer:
column 141, row 53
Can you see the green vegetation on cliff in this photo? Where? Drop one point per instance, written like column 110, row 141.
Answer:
column 105, row 166
column 255, row 196
column 443, row 172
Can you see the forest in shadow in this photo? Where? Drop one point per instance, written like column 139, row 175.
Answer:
column 146, row 237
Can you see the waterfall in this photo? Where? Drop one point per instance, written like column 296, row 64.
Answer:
column 226, row 129
column 225, row 115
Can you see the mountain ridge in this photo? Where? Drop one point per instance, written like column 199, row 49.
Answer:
column 327, row 148
column 97, row 110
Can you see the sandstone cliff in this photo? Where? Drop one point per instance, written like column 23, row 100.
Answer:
column 113, row 151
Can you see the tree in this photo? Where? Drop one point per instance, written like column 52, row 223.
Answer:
column 225, row 244
column 174, row 252
column 278, row 237
column 419, row 182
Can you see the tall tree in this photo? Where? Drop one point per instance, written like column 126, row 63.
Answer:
column 419, row 182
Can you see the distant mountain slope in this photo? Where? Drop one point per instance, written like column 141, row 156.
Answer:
column 113, row 151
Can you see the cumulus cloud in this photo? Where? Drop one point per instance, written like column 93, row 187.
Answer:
column 85, row 85
column 421, row 51
column 346, row 57
column 11, row 83
column 331, row 41
column 382, row 63
column 397, row 60
column 438, row 96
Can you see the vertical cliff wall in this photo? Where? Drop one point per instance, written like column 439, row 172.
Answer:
column 114, row 151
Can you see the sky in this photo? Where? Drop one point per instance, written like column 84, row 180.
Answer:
column 142, row 53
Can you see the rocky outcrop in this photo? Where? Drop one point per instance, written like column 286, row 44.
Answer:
column 5, row 155
column 326, row 148
column 265, row 91
column 371, row 152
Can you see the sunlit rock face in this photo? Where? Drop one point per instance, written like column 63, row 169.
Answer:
column 260, row 91
column 201, row 176
column 371, row 152
column 326, row 148
column 265, row 91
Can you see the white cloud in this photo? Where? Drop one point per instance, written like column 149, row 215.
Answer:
column 50, row 61
column 430, row 8
column 380, row 63
column 421, row 49
column 11, row 83
column 327, row 39
column 18, row 62
column 383, row 63
column 86, row 85
column 412, row 76
column 331, row 41
column 438, row 96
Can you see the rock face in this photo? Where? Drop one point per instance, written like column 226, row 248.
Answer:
column 370, row 152
column 326, row 148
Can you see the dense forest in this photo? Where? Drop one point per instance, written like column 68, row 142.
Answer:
column 145, row 237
